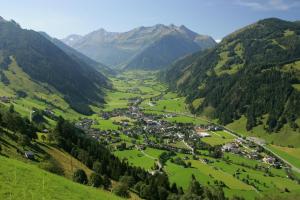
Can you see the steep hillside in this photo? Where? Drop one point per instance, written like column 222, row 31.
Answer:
column 25, row 181
column 79, row 57
column 129, row 49
column 45, row 63
column 254, row 72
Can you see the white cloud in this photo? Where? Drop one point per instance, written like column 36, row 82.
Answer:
column 281, row 5
column 218, row 40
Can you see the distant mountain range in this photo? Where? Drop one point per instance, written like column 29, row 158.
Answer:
column 48, row 61
column 141, row 48
column 81, row 58
column 254, row 72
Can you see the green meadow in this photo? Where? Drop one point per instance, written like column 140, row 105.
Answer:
column 20, row 181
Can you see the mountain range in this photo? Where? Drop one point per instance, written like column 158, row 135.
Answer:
column 253, row 73
column 141, row 48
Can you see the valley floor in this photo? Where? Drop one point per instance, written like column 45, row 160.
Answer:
column 139, row 122
column 240, row 174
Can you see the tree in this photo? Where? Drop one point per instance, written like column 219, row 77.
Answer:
column 24, row 140
column 122, row 190
column 106, row 182
column 180, row 191
column 80, row 176
column 129, row 180
column 162, row 193
column 189, row 196
column 43, row 137
column 96, row 180
column 216, row 152
column 11, row 108
column 138, row 186
column 0, row 148
column 214, row 193
column 145, row 191
column 174, row 188
column 97, row 167
column 51, row 137
column 195, row 187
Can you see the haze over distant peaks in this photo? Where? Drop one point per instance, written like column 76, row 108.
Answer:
column 135, row 48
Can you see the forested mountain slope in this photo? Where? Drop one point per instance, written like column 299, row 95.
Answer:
column 44, row 62
column 254, row 72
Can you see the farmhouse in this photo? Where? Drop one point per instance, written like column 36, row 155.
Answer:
column 230, row 147
column 29, row 155
column 203, row 134
column 105, row 116
column 269, row 160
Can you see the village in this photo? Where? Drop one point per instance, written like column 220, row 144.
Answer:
column 152, row 130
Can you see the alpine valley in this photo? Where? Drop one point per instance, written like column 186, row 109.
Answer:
column 156, row 113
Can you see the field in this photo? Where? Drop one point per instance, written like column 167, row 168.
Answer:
column 169, row 102
column 24, row 181
column 136, row 158
column 218, row 138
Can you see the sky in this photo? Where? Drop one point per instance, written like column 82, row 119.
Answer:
column 216, row 18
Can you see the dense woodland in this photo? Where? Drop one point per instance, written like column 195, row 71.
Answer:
column 251, row 80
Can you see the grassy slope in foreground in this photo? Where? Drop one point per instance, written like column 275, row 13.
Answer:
column 24, row 181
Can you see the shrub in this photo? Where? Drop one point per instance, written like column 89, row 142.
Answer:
column 80, row 176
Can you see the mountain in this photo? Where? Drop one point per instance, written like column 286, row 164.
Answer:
column 140, row 47
column 253, row 73
column 79, row 57
column 46, row 64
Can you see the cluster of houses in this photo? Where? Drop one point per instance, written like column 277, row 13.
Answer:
column 85, row 124
column 242, row 147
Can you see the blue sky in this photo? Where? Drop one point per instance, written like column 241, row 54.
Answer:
column 217, row 18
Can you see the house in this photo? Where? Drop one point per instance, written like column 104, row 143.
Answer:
column 105, row 116
column 203, row 134
column 231, row 147
column 29, row 155
column 214, row 128
column 227, row 147
column 45, row 130
column 269, row 160
column 255, row 155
